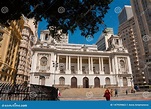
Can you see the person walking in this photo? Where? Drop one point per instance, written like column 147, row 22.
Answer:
column 116, row 93
column 107, row 94
column 59, row 94
column 126, row 92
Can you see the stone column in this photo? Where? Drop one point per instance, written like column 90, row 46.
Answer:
column 81, row 63
column 66, row 63
column 113, row 66
column 91, row 72
column 99, row 65
column 129, row 65
column 121, row 82
column 58, row 62
column 89, row 64
column 116, row 70
column 102, row 64
column 69, row 63
column 80, row 67
column 116, row 65
column 77, row 64
column 92, row 63
column 69, row 67
column 110, row 69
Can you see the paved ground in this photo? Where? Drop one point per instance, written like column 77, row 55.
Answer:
column 122, row 96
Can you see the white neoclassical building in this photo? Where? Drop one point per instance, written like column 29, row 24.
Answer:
column 77, row 65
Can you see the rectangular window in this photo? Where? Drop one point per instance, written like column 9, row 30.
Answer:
column 94, row 70
column 72, row 69
column 83, row 70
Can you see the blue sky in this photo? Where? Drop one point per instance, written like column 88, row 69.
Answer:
column 111, row 20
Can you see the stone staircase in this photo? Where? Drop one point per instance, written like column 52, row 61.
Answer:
column 88, row 92
column 82, row 92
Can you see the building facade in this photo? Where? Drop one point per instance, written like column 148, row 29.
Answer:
column 102, row 43
column 9, row 44
column 142, row 16
column 77, row 65
column 25, row 52
column 125, row 14
column 127, row 31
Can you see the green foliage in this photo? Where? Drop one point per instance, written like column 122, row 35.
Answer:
column 67, row 15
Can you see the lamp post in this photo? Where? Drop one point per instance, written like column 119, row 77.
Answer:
column 55, row 65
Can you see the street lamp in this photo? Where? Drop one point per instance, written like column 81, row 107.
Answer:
column 55, row 65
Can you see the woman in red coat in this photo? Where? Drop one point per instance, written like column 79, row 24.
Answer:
column 107, row 95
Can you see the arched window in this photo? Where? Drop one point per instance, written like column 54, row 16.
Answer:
column 73, row 82
column 122, row 67
column 43, row 63
column 122, row 63
column 62, row 68
column 85, row 82
column 96, row 82
column 107, row 81
column 61, row 81
column 125, row 81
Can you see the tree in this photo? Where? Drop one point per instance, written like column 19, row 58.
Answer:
column 65, row 15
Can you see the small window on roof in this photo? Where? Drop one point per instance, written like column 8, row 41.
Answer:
column 46, row 37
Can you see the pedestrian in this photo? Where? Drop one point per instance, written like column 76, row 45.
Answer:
column 126, row 92
column 111, row 92
column 59, row 94
column 107, row 94
column 116, row 93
